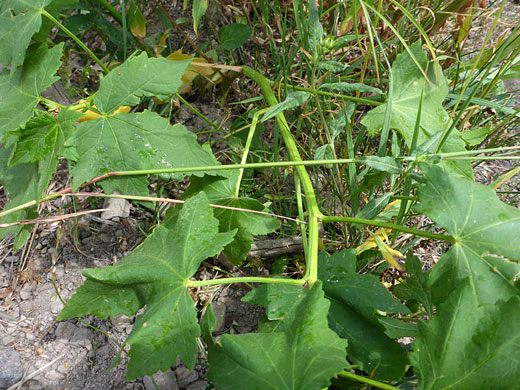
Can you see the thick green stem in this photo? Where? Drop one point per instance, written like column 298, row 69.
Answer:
column 116, row 15
column 310, row 197
column 245, row 279
column 400, row 228
column 368, row 381
column 75, row 39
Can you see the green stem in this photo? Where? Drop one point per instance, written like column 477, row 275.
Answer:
column 75, row 39
column 196, row 112
column 368, row 381
column 312, row 204
column 336, row 95
column 400, row 228
column 116, row 15
column 119, row 19
column 229, row 167
column 247, row 147
column 245, row 279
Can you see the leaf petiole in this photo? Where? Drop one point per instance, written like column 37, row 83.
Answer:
column 368, row 381
column 75, row 39
column 245, row 279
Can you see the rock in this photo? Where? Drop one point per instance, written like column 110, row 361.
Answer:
column 54, row 376
column 117, row 208
column 12, row 259
column 164, row 380
column 65, row 330
column 56, row 306
column 120, row 320
column 185, row 376
column 80, row 336
column 11, row 370
column 219, row 309
column 199, row 385
column 27, row 291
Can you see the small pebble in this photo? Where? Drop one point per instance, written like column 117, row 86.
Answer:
column 12, row 259
column 11, row 368
column 56, row 306
column 54, row 376
column 185, row 376
column 199, row 385
column 164, row 380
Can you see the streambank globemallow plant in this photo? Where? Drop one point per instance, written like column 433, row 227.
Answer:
column 331, row 323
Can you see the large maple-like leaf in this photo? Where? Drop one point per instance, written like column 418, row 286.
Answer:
column 19, row 21
column 354, row 301
column 408, row 82
column 136, row 77
column 486, row 233
column 469, row 343
column 127, row 142
column 155, row 275
column 221, row 191
column 469, row 346
column 134, row 141
column 42, row 140
column 20, row 92
column 298, row 351
column 26, row 172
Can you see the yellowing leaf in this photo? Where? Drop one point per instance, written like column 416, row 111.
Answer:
column 194, row 70
column 389, row 254
column 91, row 115
column 137, row 21
column 378, row 240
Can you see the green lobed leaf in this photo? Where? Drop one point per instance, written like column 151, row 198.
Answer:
column 294, row 99
column 299, row 351
column 396, row 328
column 476, row 136
column 19, row 21
column 136, row 77
column 354, row 301
column 155, row 275
column 54, row 9
column 350, row 87
column 21, row 185
column 485, row 232
column 126, row 142
column 234, row 35
column 20, row 91
column 468, row 345
column 408, row 85
column 221, row 191
column 42, row 140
